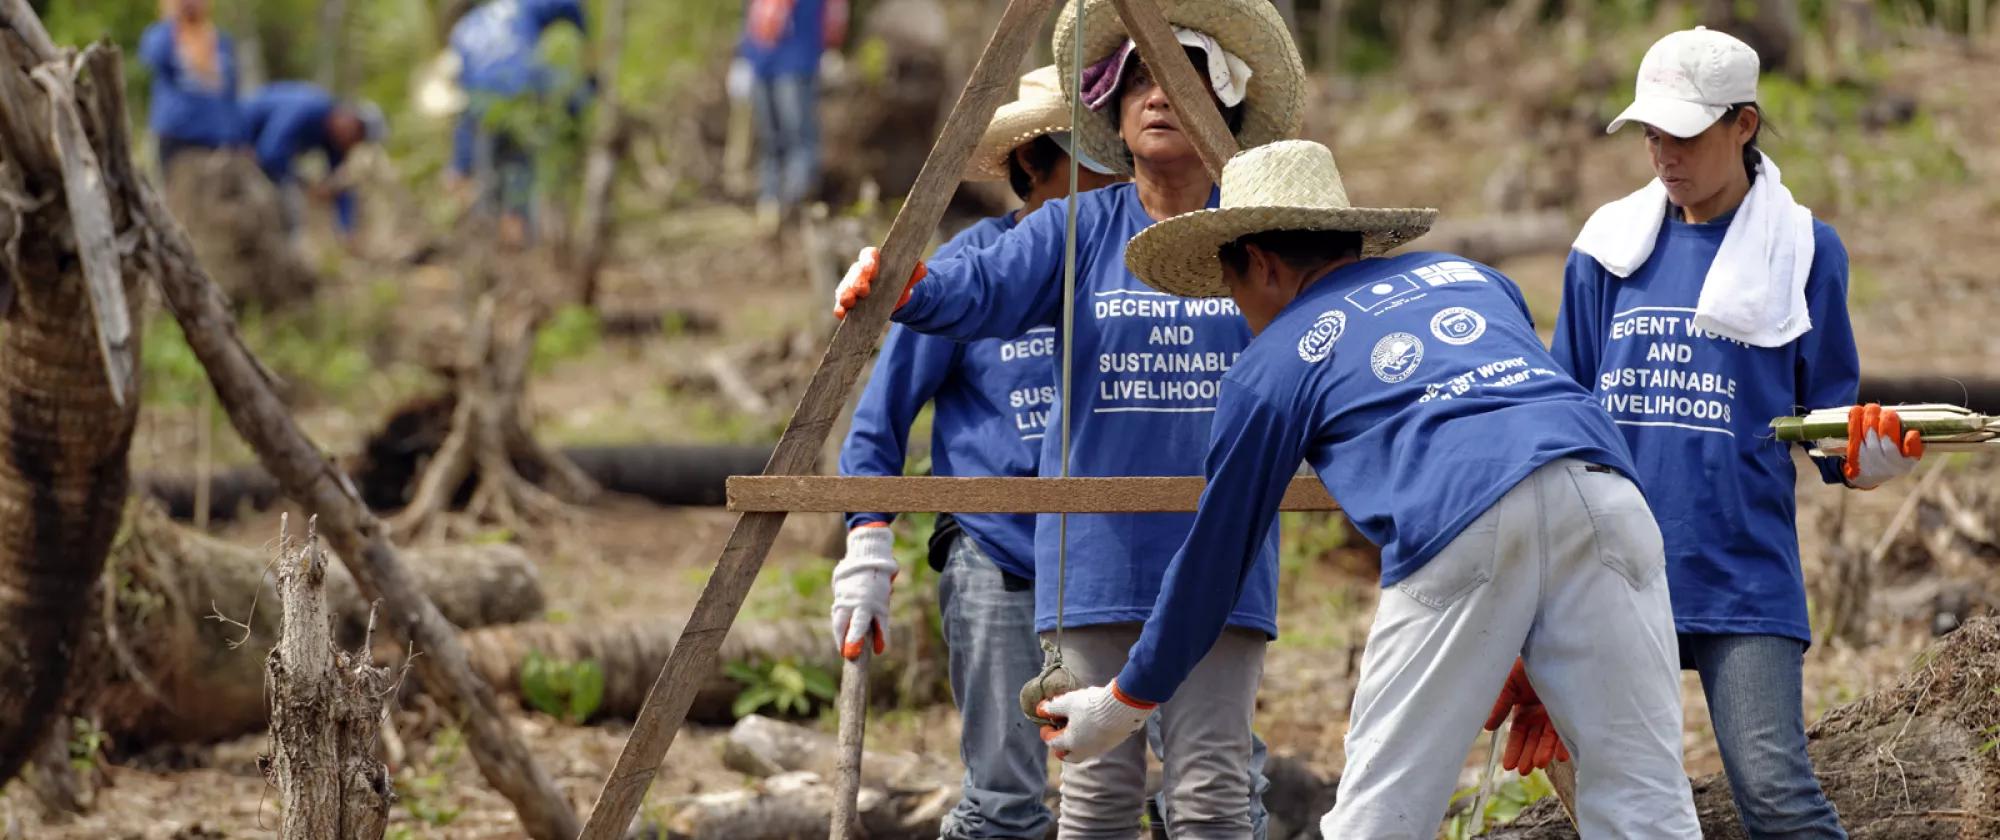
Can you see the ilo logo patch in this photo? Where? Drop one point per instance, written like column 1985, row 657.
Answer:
column 1381, row 294
column 1458, row 326
column 1396, row 357
column 1317, row 343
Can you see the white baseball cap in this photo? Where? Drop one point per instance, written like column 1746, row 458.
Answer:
column 1688, row 80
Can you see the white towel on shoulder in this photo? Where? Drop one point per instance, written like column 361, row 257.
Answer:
column 1755, row 291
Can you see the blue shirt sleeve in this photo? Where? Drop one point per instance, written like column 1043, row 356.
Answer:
column 1578, row 344
column 551, row 12
column 907, row 374
column 1253, row 450
column 156, row 51
column 462, row 137
column 1829, row 366
column 273, row 143
column 999, row 291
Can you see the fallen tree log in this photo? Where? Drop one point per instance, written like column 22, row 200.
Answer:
column 1910, row 762
column 630, row 653
column 181, row 607
column 796, row 805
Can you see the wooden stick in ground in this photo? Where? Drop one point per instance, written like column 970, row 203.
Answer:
column 1562, row 777
column 854, row 342
column 853, row 708
column 1185, row 88
column 310, row 478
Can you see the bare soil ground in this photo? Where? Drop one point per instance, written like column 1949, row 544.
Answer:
column 1921, row 303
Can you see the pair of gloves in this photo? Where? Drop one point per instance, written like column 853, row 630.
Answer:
column 1096, row 719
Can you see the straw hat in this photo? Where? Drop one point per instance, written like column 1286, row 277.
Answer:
column 1251, row 29
column 1286, row 185
column 1039, row 110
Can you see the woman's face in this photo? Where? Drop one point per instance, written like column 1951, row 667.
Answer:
column 1697, row 169
column 1148, row 125
column 190, row 10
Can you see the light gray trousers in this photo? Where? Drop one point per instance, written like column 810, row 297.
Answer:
column 1205, row 743
column 1567, row 571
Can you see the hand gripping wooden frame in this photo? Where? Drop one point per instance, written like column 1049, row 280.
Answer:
column 786, row 485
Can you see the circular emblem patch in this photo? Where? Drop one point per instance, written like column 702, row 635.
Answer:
column 1396, row 356
column 1458, row 326
column 1317, row 343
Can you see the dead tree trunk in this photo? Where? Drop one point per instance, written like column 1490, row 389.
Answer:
column 1910, row 761
column 607, row 137
column 326, row 713
column 65, row 424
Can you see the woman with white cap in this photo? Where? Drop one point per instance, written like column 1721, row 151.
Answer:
column 1146, row 376
column 1699, row 308
column 990, row 401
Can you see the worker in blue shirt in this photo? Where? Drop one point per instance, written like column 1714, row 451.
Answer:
column 284, row 120
column 782, row 43
column 496, row 44
column 1147, row 371
column 1498, row 489
column 1698, row 309
column 193, row 100
column 991, row 399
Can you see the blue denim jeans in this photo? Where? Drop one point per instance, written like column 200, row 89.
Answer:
column 989, row 627
column 1755, row 701
column 787, row 120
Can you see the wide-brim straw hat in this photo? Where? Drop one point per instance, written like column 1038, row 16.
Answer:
column 1039, row 110
column 1286, row 185
column 1252, row 29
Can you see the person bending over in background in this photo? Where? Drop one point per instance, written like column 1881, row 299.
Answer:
column 193, row 94
column 1699, row 308
column 284, row 120
column 992, row 399
column 1499, row 491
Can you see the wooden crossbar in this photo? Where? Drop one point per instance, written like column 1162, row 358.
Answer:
column 834, row 494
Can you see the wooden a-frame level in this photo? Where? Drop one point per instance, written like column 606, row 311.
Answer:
column 786, row 486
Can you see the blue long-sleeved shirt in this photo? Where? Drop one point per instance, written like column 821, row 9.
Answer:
column 798, row 49
column 992, row 401
column 1417, row 389
column 1147, row 370
column 284, row 120
column 496, row 43
column 183, row 107
column 1696, row 409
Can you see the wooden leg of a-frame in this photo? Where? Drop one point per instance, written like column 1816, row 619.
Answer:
column 853, row 343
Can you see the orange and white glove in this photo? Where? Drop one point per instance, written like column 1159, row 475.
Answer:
column 1878, row 449
column 861, row 584
column 860, row 280
column 1095, row 720
column 1532, row 742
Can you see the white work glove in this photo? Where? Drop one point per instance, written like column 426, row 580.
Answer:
column 1878, row 449
column 861, row 584
column 860, row 280
column 1095, row 720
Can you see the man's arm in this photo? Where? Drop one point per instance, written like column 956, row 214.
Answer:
column 907, row 374
column 1000, row 291
column 1254, row 448
column 1578, row 344
column 156, row 51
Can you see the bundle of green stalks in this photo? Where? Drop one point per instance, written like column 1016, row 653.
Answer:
column 1944, row 428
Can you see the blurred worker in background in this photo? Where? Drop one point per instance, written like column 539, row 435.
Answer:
column 782, row 42
column 496, row 45
column 193, row 104
column 992, row 399
column 285, row 120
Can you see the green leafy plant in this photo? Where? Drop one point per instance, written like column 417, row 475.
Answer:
column 572, row 332
column 428, row 795
column 86, row 743
column 571, row 691
column 1509, row 799
column 785, row 686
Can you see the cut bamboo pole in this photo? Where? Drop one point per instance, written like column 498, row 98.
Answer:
column 831, row 494
column 853, row 344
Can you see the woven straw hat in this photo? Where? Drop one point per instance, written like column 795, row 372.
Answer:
column 1039, row 110
column 1286, row 185
column 1251, row 29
